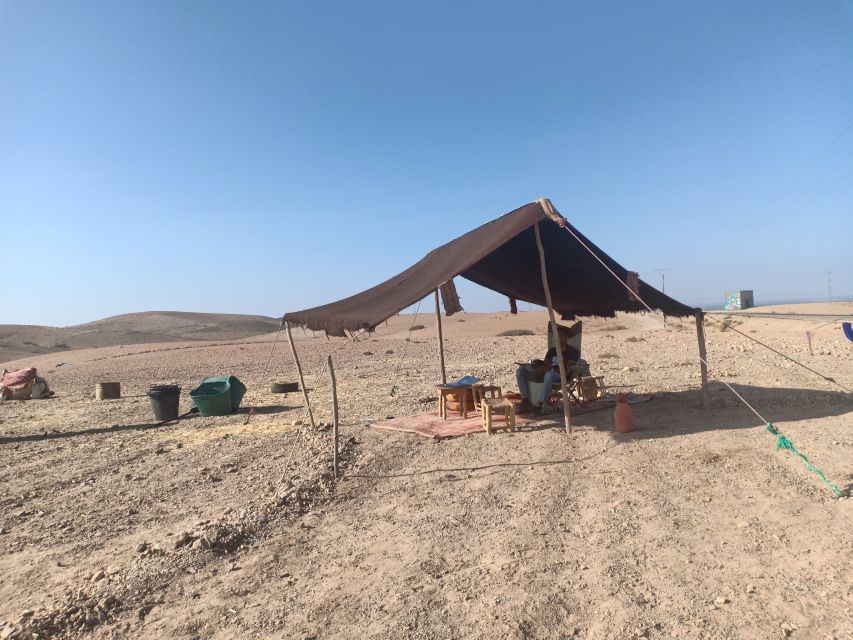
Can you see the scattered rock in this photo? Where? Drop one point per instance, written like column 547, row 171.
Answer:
column 99, row 575
column 201, row 543
column 721, row 600
column 142, row 547
column 183, row 539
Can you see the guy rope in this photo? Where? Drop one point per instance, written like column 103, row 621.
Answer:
column 782, row 442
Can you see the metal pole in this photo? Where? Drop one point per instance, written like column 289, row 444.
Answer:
column 663, row 273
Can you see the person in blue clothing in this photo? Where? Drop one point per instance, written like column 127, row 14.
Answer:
column 549, row 363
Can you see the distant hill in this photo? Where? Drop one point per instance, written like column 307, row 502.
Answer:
column 21, row 341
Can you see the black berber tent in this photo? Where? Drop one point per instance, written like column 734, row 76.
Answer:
column 510, row 255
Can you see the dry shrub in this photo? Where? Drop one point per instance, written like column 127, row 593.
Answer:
column 516, row 332
column 728, row 322
column 635, row 339
column 608, row 356
column 416, row 327
column 617, row 327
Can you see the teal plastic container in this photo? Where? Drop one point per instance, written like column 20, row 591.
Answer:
column 218, row 396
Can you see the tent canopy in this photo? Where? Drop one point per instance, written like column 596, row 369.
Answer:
column 501, row 255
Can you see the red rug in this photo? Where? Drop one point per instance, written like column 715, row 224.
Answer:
column 431, row 425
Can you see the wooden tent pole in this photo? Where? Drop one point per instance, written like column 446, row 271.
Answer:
column 299, row 371
column 334, row 414
column 703, row 357
column 567, row 415
column 440, row 339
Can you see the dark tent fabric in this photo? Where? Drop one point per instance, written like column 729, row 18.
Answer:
column 500, row 255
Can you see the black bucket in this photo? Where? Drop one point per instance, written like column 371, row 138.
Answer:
column 164, row 401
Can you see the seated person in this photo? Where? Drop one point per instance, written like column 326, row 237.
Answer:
column 551, row 367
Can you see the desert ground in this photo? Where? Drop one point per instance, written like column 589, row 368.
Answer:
column 693, row 526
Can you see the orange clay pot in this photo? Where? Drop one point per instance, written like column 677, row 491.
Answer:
column 623, row 418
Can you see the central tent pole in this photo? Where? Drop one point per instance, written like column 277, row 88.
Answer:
column 567, row 415
column 299, row 371
column 440, row 339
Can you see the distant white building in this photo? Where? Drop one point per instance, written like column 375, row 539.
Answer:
column 738, row 300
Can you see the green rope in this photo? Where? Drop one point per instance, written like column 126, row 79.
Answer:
column 783, row 443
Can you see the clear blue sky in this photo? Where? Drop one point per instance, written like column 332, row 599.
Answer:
column 257, row 157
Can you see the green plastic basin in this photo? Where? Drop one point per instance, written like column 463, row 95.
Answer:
column 218, row 396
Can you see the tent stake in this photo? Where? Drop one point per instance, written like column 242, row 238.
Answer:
column 567, row 415
column 703, row 358
column 334, row 415
column 299, row 371
column 440, row 339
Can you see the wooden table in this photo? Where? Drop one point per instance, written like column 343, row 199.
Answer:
column 445, row 390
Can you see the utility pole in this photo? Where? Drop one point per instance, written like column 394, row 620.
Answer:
column 829, row 286
column 663, row 273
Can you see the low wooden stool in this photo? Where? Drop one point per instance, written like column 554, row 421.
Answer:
column 444, row 392
column 591, row 388
column 483, row 391
column 500, row 407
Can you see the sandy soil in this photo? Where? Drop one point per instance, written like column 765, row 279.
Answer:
column 694, row 526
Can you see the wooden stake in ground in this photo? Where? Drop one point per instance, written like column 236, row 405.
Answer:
column 299, row 371
column 334, row 415
column 563, row 384
column 440, row 338
column 703, row 357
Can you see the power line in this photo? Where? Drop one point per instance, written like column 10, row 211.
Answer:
column 778, row 196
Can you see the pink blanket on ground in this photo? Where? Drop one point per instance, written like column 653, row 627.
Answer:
column 17, row 380
column 431, row 425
